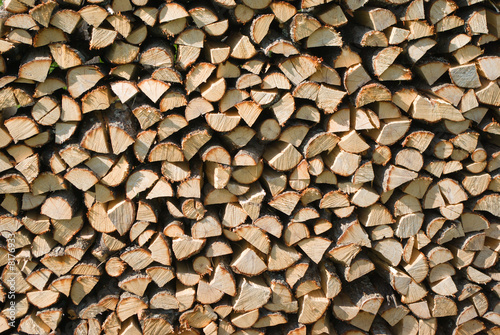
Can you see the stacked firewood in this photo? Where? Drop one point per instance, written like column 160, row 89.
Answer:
column 250, row 167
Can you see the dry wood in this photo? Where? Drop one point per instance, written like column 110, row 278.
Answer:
column 236, row 168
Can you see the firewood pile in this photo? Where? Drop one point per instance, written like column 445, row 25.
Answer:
column 250, row 167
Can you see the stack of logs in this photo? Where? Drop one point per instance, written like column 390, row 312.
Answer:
column 250, row 167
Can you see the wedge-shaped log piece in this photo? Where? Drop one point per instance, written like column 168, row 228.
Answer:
column 22, row 21
column 164, row 299
column 167, row 74
column 489, row 94
column 353, row 143
column 223, row 279
column 129, row 305
column 334, row 199
column 440, row 9
column 318, row 142
column 93, row 15
column 249, row 111
column 197, row 107
column 157, row 54
column 465, row 76
column 76, row 85
column 326, row 74
column 82, row 178
column 102, row 37
column 65, row 56
column 252, row 293
column 375, row 18
column 21, row 128
column 341, row 162
column 36, row 66
column 302, row 26
column 431, row 70
column 153, row 89
column 355, row 77
column 60, row 205
column 208, row 226
column 324, row 37
column 283, row 109
column 260, row 27
column 372, row 93
column 255, row 236
column 282, row 156
column 283, row 11
column 172, row 11
column 452, row 191
column 121, row 213
column 241, row 47
column 390, row 131
column 42, row 299
column 99, row 98
column 315, row 247
column 395, row 176
column 488, row 67
column 194, row 140
column 82, row 286
column 433, row 110
column 489, row 203
column 247, row 262
column 185, row 246
column 58, row 261
column 202, row 16
column 66, row 20
column 282, row 257
column 94, row 136
column 312, row 306
column 170, row 125
column 299, row 68
column 146, row 115
column 343, row 308
column 280, row 46
column 198, row 75
column 383, row 59
column 350, row 231
column 333, row 15
column 140, row 181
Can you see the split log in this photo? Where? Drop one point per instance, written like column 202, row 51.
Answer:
column 267, row 151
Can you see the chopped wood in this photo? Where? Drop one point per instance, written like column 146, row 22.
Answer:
column 250, row 167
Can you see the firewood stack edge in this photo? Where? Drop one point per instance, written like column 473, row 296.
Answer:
column 250, row 167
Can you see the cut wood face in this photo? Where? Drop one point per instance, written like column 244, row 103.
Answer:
column 250, row 167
